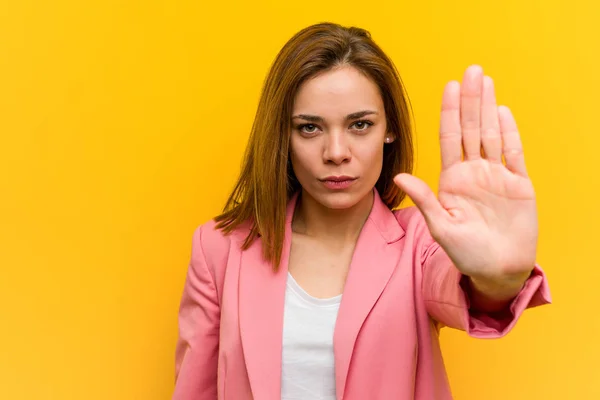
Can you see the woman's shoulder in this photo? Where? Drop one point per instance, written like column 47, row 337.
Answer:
column 211, row 235
column 409, row 217
column 207, row 234
column 413, row 223
column 212, row 244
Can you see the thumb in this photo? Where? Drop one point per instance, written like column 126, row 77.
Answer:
column 421, row 195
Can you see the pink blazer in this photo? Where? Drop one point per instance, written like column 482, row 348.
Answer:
column 400, row 290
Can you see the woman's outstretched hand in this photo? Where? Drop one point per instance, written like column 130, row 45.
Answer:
column 485, row 215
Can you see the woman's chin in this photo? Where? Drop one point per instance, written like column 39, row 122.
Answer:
column 339, row 200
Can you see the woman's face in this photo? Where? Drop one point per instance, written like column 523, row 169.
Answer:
column 337, row 139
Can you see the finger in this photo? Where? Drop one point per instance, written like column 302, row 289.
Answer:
column 450, row 136
column 470, row 110
column 512, row 148
column 422, row 196
column 490, row 125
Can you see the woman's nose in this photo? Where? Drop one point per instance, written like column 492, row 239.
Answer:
column 337, row 149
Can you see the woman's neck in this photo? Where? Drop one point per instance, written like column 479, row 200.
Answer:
column 313, row 219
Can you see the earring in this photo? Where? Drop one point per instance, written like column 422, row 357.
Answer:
column 388, row 139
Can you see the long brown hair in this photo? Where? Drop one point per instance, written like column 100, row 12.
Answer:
column 267, row 181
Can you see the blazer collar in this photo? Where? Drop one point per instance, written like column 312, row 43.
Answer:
column 262, row 296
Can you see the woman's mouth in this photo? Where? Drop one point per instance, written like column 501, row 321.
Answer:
column 338, row 182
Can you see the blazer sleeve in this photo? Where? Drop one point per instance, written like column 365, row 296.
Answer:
column 196, row 353
column 446, row 296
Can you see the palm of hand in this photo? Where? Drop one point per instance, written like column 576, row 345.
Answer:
column 485, row 215
column 491, row 227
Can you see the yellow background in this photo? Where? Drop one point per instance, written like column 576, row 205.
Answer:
column 122, row 128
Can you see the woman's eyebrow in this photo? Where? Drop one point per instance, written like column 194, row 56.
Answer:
column 316, row 118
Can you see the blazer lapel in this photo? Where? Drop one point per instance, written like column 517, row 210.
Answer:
column 262, row 298
column 261, row 306
column 373, row 263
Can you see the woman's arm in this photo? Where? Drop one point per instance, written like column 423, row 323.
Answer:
column 198, row 343
column 489, row 295
column 450, row 297
column 484, row 217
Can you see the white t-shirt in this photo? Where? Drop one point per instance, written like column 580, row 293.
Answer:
column 308, row 370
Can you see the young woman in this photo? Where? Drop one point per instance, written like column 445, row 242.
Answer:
column 312, row 284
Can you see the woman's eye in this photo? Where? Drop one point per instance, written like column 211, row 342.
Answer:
column 308, row 128
column 362, row 125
